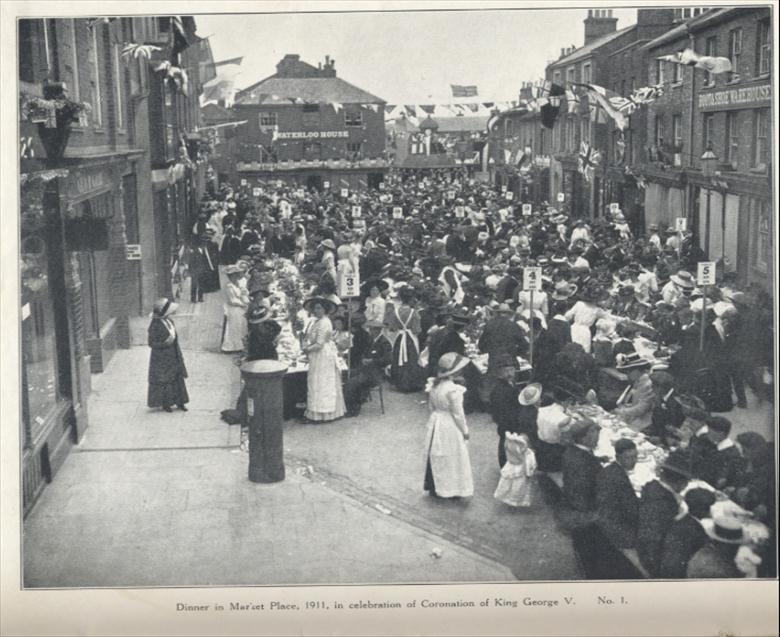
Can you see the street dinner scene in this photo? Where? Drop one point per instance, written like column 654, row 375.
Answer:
column 290, row 316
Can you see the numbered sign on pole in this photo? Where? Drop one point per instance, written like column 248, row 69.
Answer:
column 256, row 192
column 681, row 224
column 450, row 195
column 359, row 223
column 381, row 185
column 614, row 208
column 706, row 273
column 526, row 209
column 398, row 212
column 509, row 195
column 300, row 192
column 326, row 184
column 349, row 279
column 561, row 197
column 460, row 212
column 532, row 279
column 503, row 187
column 357, row 212
column 345, row 192
column 243, row 182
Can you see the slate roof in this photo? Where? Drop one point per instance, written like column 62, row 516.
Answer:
column 281, row 90
column 586, row 50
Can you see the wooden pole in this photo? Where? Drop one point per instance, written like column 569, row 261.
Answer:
column 531, row 333
column 703, row 316
column 349, row 331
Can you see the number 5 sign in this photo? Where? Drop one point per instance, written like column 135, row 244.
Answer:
column 532, row 279
column 706, row 273
column 356, row 212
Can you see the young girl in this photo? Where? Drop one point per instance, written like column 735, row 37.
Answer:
column 514, row 486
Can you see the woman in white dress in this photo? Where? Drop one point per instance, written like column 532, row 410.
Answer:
column 375, row 302
column 236, row 303
column 448, row 468
column 325, row 398
column 583, row 316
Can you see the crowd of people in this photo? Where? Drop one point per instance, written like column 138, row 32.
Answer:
column 620, row 324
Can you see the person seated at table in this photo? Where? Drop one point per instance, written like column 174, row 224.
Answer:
column 551, row 425
column 724, row 465
column 756, row 492
column 716, row 559
column 602, row 343
column 667, row 415
column 263, row 332
column 341, row 336
column 504, row 407
column 686, row 535
column 659, row 506
column 636, row 405
column 618, row 504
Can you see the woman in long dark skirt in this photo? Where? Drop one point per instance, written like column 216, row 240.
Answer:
column 166, row 364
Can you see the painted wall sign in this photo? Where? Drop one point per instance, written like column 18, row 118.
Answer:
column 743, row 97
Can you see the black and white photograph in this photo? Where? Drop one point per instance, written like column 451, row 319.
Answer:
column 391, row 295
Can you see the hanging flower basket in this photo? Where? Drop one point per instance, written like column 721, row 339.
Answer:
column 54, row 113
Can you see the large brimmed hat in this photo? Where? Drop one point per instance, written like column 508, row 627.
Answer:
column 450, row 364
column 630, row 361
column 233, row 269
column 329, row 305
column 503, row 308
column 258, row 314
column 724, row 528
column 563, row 290
column 375, row 282
column 530, row 395
column 328, row 243
column 164, row 307
column 684, row 279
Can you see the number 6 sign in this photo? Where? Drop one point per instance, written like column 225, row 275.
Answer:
column 706, row 273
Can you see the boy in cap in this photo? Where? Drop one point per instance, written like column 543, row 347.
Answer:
column 686, row 535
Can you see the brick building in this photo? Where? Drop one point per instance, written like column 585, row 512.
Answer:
column 730, row 211
column 605, row 47
column 88, row 240
column 308, row 127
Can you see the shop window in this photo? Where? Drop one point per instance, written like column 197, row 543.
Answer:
column 353, row 118
column 735, row 53
column 39, row 347
column 763, row 48
column 761, row 138
column 311, row 115
column 268, row 119
column 732, row 138
column 761, row 234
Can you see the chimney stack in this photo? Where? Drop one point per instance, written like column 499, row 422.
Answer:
column 598, row 24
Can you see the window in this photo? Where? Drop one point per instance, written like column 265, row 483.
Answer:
column 267, row 119
column 659, row 132
column 311, row 115
column 633, row 84
column 677, row 73
column 764, row 48
column 571, row 136
column 761, row 137
column 96, row 98
column 732, row 137
column 585, row 130
column 735, row 53
column 659, row 71
column 353, row 118
column 677, row 131
column 760, row 226
column 570, row 74
column 710, row 48
column 354, row 148
column 557, row 77
column 708, row 130
column 586, row 73
column 118, row 76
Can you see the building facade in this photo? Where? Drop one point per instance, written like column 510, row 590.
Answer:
column 308, row 127
column 87, row 237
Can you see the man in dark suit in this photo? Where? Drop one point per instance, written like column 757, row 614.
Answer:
column 504, row 407
column 618, row 504
column 686, row 535
column 728, row 464
column 580, row 469
column 659, row 506
column 503, row 340
column 557, row 335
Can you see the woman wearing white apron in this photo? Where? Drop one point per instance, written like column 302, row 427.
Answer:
column 405, row 371
column 325, row 398
column 236, row 303
column 583, row 315
column 448, row 468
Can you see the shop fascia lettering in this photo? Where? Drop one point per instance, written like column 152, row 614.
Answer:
column 745, row 96
column 328, row 134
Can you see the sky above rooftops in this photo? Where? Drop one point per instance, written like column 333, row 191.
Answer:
column 408, row 57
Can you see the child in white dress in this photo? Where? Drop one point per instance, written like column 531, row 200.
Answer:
column 514, row 486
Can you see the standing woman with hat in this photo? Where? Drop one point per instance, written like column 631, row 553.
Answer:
column 325, row 397
column 448, row 468
column 328, row 260
column 583, row 315
column 403, row 319
column 236, row 303
column 166, row 364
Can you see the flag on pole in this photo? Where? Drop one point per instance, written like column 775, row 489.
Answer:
column 602, row 99
column 647, row 94
column 688, row 57
column 459, row 90
column 588, row 159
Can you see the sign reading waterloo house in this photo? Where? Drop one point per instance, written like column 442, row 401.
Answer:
column 327, row 134
column 743, row 97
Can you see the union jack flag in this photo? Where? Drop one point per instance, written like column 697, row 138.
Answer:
column 588, row 159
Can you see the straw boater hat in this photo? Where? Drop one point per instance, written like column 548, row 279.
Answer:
column 530, row 395
column 258, row 315
column 726, row 529
column 630, row 361
column 233, row 269
column 451, row 363
column 329, row 305
column 163, row 307
column 684, row 279
column 563, row 290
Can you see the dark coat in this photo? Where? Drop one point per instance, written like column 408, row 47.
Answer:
column 248, row 238
column 442, row 342
column 506, row 288
column 704, row 462
column 618, row 506
column 504, row 407
column 230, row 251
column 166, row 364
column 666, row 413
column 502, row 340
column 710, row 562
column 260, row 341
column 657, row 511
column 684, row 538
column 580, row 469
